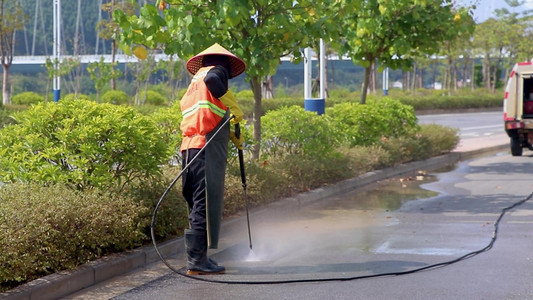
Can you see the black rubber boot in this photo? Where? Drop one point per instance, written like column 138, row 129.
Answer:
column 212, row 261
column 197, row 261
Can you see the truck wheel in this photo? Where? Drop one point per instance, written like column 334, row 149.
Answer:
column 516, row 147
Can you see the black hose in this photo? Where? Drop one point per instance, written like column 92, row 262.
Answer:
column 429, row 267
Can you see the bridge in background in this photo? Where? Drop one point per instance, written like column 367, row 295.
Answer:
column 120, row 58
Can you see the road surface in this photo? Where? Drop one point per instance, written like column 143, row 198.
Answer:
column 476, row 130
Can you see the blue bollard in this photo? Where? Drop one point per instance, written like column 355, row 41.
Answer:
column 317, row 105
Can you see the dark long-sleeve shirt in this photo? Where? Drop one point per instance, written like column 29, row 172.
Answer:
column 216, row 81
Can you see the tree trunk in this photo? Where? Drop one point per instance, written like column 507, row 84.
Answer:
column 434, row 73
column 5, row 87
column 495, row 76
column 268, row 87
column 448, row 84
column 421, row 78
column 455, row 81
column 255, row 84
column 365, row 84
column 473, row 75
column 406, row 81
column 486, row 71
column 171, row 77
column 413, row 83
column 373, row 78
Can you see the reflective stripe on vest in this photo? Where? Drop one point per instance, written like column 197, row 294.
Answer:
column 203, row 104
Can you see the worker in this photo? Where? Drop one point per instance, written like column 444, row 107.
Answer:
column 206, row 106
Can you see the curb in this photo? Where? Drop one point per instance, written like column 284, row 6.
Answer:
column 64, row 283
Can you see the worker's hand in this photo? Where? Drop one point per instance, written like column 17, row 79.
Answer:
column 238, row 141
column 229, row 100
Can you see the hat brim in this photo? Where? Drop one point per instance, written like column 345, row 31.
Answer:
column 237, row 65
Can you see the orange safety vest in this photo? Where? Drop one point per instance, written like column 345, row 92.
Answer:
column 201, row 112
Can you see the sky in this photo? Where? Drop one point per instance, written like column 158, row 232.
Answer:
column 485, row 8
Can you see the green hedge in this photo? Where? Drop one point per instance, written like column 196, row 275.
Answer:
column 47, row 229
column 6, row 117
column 423, row 99
column 367, row 124
column 81, row 143
column 294, row 131
column 27, row 98
column 72, row 96
column 154, row 98
column 115, row 97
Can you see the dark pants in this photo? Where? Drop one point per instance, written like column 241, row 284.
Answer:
column 203, row 183
column 194, row 188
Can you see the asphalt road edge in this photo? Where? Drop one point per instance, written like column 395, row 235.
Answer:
column 65, row 283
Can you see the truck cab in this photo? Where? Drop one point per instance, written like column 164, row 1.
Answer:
column 518, row 108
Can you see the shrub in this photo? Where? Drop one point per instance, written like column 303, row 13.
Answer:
column 247, row 106
column 153, row 98
column 245, row 94
column 441, row 139
column 279, row 102
column 172, row 216
column 81, row 143
column 343, row 93
column 27, row 98
column 439, row 99
column 5, row 118
column 399, row 119
column 431, row 140
column 403, row 149
column 47, row 229
column 292, row 130
column 70, row 97
column 115, row 97
column 366, row 124
column 363, row 159
column 305, row 173
column 168, row 120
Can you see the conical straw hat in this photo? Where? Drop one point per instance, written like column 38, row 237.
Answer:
column 237, row 65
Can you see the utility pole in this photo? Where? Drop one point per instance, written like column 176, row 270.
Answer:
column 57, row 49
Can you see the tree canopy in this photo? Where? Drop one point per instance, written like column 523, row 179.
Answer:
column 395, row 32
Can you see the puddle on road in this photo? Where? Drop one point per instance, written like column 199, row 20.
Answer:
column 386, row 195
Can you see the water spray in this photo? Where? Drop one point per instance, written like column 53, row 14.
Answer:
column 243, row 180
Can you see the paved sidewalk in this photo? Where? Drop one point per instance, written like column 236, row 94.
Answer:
column 67, row 284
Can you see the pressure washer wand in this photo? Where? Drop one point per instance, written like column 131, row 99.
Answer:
column 243, row 179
